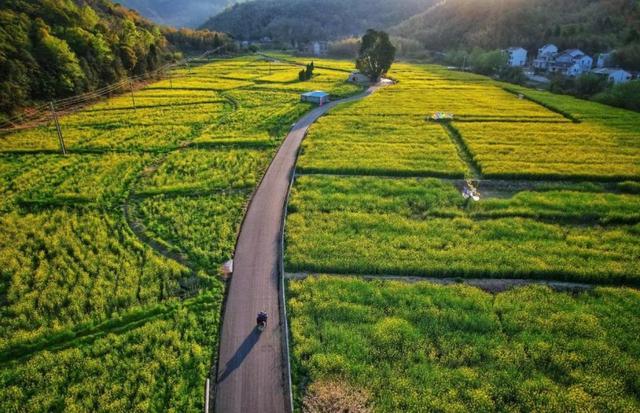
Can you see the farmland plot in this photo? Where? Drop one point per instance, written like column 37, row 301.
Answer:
column 534, row 150
column 203, row 228
column 336, row 223
column 197, row 170
column 109, row 254
column 150, row 360
column 422, row 347
column 561, row 203
column 354, row 147
column 72, row 179
column 64, row 267
column 424, row 227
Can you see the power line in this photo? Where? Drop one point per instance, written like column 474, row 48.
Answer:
column 41, row 114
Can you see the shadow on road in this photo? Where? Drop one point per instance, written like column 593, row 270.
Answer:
column 240, row 355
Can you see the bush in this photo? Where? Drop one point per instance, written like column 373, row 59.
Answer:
column 589, row 84
column 488, row 63
column 512, row 75
column 626, row 95
column 306, row 73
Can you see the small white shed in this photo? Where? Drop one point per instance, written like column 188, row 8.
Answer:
column 357, row 77
column 317, row 96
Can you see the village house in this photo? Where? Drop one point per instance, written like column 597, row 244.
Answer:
column 615, row 76
column 317, row 48
column 517, row 56
column 571, row 62
column 545, row 54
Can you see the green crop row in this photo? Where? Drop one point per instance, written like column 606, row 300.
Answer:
column 425, row 227
column 101, row 179
column 202, row 228
column 199, row 170
column 422, row 347
column 158, row 364
column 61, row 267
column 93, row 319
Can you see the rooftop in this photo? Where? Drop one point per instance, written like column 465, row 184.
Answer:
column 573, row 52
column 316, row 94
column 607, row 70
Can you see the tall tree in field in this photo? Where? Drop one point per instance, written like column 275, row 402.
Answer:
column 376, row 54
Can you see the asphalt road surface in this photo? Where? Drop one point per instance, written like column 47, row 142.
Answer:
column 251, row 370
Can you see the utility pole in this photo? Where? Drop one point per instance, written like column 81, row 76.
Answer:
column 133, row 99
column 55, row 118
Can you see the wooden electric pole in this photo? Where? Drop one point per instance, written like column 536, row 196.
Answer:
column 55, row 118
column 133, row 100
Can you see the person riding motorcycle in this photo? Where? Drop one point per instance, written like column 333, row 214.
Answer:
column 261, row 320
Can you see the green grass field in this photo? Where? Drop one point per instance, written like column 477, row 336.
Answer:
column 103, row 311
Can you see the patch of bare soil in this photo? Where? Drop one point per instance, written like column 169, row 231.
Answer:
column 335, row 397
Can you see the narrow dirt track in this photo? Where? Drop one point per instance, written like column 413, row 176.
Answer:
column 252, row 375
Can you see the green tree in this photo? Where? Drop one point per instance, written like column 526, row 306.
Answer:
column 628, row 56
column 309, row 72
column 625, row 95
column 376, row 54
column 61, row 72
column 513, row 75
column 489, row 63
column 589, row 84
column 54, row 48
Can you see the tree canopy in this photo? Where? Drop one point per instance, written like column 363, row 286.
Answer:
column 376, row 54
column 57, row 48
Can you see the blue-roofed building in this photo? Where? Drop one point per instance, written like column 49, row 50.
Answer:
column 317, row 96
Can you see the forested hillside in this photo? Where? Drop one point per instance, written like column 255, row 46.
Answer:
column 183, row 13
column 57, row 48
column 304, row 20
column 592, row 25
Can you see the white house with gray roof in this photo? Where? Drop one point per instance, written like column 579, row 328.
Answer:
column 615, row 76
column 517, row 56
column 571, row 62
column 545, row 54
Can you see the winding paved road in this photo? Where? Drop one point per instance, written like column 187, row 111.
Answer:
column 252, row 375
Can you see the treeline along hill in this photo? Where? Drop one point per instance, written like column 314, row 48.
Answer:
column 57, row 48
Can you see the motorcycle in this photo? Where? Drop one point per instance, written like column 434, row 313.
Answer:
column 261, row 321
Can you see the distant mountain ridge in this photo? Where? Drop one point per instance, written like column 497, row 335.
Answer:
column 592, row 25
column 305, row 20
column 178, row 13
column 440, row 25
